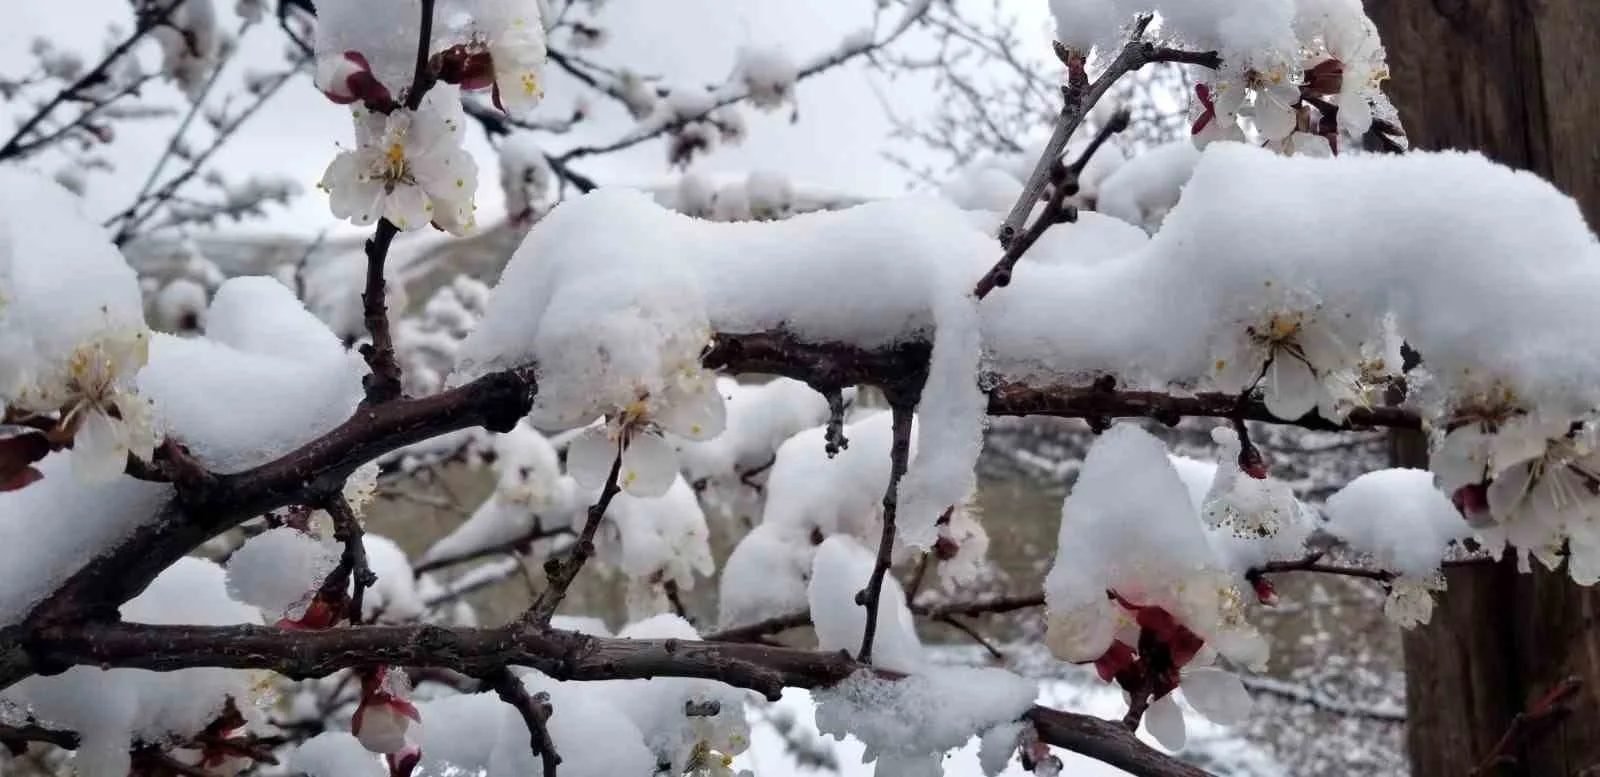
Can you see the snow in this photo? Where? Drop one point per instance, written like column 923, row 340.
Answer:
column 113, row 709
column 279, row 570
column 50, row 529
column 843, row 494
column 768, row 74
column 760, row 418
column 334, row 754
column 841, row 570
column 530, row 490
column 920, row 717
column 648, row 294
column 1399, row 517
column 657, row 706
column 765, row 576
column 394, row 598
column 1142, row 191
column 266, row 378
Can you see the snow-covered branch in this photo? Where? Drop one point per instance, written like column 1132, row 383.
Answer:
column 562, row 655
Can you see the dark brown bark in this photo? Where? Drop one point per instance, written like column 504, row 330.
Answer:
column 1516, row 80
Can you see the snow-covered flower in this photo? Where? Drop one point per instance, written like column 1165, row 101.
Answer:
column 348, row 78
column 1276, row 95
column 1542, row 475
column 508, row 58
column 717, row 739
column 768, row 74
column 1364, row 70
column 408, row 167
column 1242, row 497
column 1410, row 600
column 110, row 420
column 1298, row 360
column 1216, row 113
column 690, row 407
column 383, row 719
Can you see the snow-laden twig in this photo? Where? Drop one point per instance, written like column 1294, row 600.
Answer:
column 1080, row 95
column 97, row 74
column 176, row 141
column 563, row 655
column 728, row 96
column 899, row 457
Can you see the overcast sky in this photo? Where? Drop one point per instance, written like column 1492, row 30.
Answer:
column 837, row 143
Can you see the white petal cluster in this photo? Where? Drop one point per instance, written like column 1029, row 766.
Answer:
column 408, row 167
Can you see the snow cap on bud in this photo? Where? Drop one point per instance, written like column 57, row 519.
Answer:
column 348, row 78
column 384, row 717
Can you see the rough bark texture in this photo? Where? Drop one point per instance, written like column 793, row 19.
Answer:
column 1516, row 80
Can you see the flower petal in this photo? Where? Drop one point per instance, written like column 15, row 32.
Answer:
column 1164, row 721
column 1083, row 633
column 1290, row 389
column 1216, row 694
column 98, row 452
column 590, row 456
column 407, row 206
column 649, row 465
column 694, row 415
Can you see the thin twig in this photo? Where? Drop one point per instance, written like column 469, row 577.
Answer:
column 133, row 221
column 899, row 456
column 675, row 598
column 198, row 102
column 347, row 530
column 1550, row 708
column 1313, row 563
column 955, row 623
column 95, row 76
column 516, row 546
column 1080, row 96
column 562, row 571
column 535, row 712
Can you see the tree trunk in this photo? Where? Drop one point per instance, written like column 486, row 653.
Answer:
column 1517, row 80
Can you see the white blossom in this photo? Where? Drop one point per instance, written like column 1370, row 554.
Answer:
column 408, row 167
column 1296, row 358
column 690, row 407
column 1410, row 600
column 517, row 49
column 110, row 419
column 1216, row 694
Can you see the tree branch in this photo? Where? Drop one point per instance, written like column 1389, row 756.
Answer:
column 563, row 655
column 899, row 456
column 535, row 712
